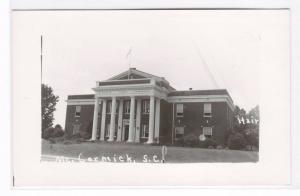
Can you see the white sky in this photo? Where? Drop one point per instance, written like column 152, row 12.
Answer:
column 189, row 48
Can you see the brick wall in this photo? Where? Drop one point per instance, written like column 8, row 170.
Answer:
column 193, row 120
column 165, row 122
column 85, row 120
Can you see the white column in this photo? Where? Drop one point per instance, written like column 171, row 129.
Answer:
column 131, row 120
column 95, row 119
column 151, row 120
column 112, row 120
column 157, row 119
column 138, row 120
column 102, row 132
column 120, row 119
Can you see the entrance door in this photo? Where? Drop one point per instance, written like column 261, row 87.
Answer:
column 126, row 130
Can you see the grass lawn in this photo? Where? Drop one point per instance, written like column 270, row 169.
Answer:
column 116, row 152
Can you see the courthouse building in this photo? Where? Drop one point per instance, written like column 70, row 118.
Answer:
column 135, row 106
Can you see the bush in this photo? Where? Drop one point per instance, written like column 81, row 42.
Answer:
column 236, row 141
column 58, row 126
column 58, row 131
column 179, row 142
column 67, row 142
column 76, row 136
column 208, row 143
column 47, row 133
column 191, row 140
column 51, row 132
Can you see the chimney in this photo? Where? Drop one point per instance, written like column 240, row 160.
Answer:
column 190, row 89
column 132, row 68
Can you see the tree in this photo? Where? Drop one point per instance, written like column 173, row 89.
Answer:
column 249, row 130
column 49, row 101
column 252, row 137
column 254, row 112
column 236, row 141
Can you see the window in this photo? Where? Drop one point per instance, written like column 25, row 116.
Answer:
column 179, row 110
column 207, row 110
column 76, row 128
column 207, row 132
column 77, row 111
column 146, row 107
column 127, row 107
column 179, row 132
column 108, row 110
column 145, row 131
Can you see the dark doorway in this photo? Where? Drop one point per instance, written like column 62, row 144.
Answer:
column 126, row 132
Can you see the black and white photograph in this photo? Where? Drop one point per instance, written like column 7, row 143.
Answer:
column 120, row 93
column 150, row 86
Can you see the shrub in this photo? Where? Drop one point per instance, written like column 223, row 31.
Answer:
column 155, row 144
column 76, row 136
column 58, row 126
column 67, row 142
column 51, row 132
column 179, row 142
column 208, row 143
column 236, row 141
column 47, row 133
column 190, row 140
column 58, row 131
column 67, row 135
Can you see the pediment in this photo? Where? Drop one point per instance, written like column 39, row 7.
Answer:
column 130, row 76
column 132, row 73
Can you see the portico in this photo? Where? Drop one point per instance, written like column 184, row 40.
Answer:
column 134, row 120
column 126, row 97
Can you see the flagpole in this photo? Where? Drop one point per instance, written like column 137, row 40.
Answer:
column 41, row 57
column 128, row 56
